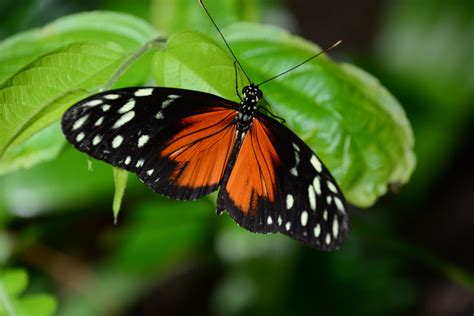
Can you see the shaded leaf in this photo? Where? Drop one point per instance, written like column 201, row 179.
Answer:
column 120, row 180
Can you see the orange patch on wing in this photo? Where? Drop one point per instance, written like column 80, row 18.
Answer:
column 202, row 148
column 253, row 174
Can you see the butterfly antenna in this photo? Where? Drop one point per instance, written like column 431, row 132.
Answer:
column 302, row 63
column 222, row 35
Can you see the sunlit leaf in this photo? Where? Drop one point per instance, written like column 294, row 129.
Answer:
column 352, row 122
column 37, row 95
column 124, row 30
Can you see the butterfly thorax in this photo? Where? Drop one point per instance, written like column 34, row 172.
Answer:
column 248, row 106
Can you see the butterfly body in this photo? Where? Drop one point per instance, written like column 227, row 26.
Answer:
column 186, row 144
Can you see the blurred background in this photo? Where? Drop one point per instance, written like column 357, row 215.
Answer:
column 409, row 254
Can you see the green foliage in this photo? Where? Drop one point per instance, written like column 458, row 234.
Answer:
column 124, row 30
column 36, row 96
column 49, row 197
column 120, row 180
column 43, row 146
column 179, row 15
column 48, row 69
column 354, row 124
column 425, row 51
column 13, row 283
column 356, row 127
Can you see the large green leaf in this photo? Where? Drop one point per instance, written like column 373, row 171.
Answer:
column 125, row 30
column 37, row 95
column 356, row 127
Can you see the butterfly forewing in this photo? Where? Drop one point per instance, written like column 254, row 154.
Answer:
column 186, row 144
column 278, row 184
column 177, row 141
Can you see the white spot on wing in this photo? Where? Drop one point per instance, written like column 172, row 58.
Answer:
column 159, row 115
column 311, row 197
column 99, row 121
column 317, row 230
column 328, row 199
column 289, row 201
column 269, row 220
column 294, row 171
column 280, row 220
column 117, row 141
column 296, row 147
column 339, row 204
column 143, row 140
column 328, row 239
column 80, row 136
column 93, row 102
column 128, row 160
column 332, row 187
column 335, row 227
column 170, row 99
column 325, row 215
column 124, row 119
column 288, row 226
column 111, row 96
column 80, row 122
column 140, row 163
column 127, row 107
column 150, row 172
column 317, row 185
column 297, row 158
column 304, row 218
column 96, row 140
column 166, row 103
column 105, row 107
column 144, row 92
column 316, row 163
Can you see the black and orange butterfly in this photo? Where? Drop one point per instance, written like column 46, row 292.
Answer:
column 185, row 144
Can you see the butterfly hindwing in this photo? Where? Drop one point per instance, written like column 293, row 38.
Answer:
column 177, row 141
column 278, row 184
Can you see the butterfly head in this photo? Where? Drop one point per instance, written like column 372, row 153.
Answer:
column 252, row 94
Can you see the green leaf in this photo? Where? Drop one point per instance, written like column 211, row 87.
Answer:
column 43, row 146
column 36, row 96
column 357, row 128
column 38, row 305
column 178, row 15
column 14, row 281
column 12, row 284
column 125, row 30
column 120, row 180
column 173, row 227
column 193, row 61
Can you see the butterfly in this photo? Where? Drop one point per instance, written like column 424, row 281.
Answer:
column 186, row 144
